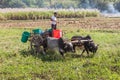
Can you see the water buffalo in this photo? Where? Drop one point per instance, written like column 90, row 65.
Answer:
column 59, row 44
column 85, row 42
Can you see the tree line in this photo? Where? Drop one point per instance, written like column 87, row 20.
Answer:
column 99, row 4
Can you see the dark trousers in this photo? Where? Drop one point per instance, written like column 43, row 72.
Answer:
column 53, row 26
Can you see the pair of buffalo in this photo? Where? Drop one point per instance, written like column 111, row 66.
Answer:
column 76, row 41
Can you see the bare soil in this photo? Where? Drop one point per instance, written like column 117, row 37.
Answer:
column 90, row 23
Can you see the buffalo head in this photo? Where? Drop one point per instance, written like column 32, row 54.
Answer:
column 92, row 47
column 68, row 47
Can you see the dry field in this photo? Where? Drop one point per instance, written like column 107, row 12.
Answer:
column 89, row 23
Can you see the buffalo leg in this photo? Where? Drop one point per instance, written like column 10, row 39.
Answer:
column 62, row 54
column 82, row 52
column 86, row 49
column 87, row 52
column 74, row 49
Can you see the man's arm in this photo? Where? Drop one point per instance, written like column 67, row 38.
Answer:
column 51, row 19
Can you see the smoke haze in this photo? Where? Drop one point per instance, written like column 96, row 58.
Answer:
column 111, row 11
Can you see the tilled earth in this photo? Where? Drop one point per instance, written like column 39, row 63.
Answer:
column 90, row 23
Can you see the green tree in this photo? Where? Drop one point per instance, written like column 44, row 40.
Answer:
column 85, row 3
column 30, row 3
column 5, row 3
column 40, row 3
column 16, row 4
column 117, row 6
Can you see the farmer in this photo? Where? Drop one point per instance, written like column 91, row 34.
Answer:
column 54, row 21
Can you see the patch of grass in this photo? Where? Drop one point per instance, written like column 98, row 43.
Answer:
column 17, row 62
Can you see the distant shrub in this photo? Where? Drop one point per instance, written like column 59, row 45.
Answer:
column 46, row 14
column 2, row 17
